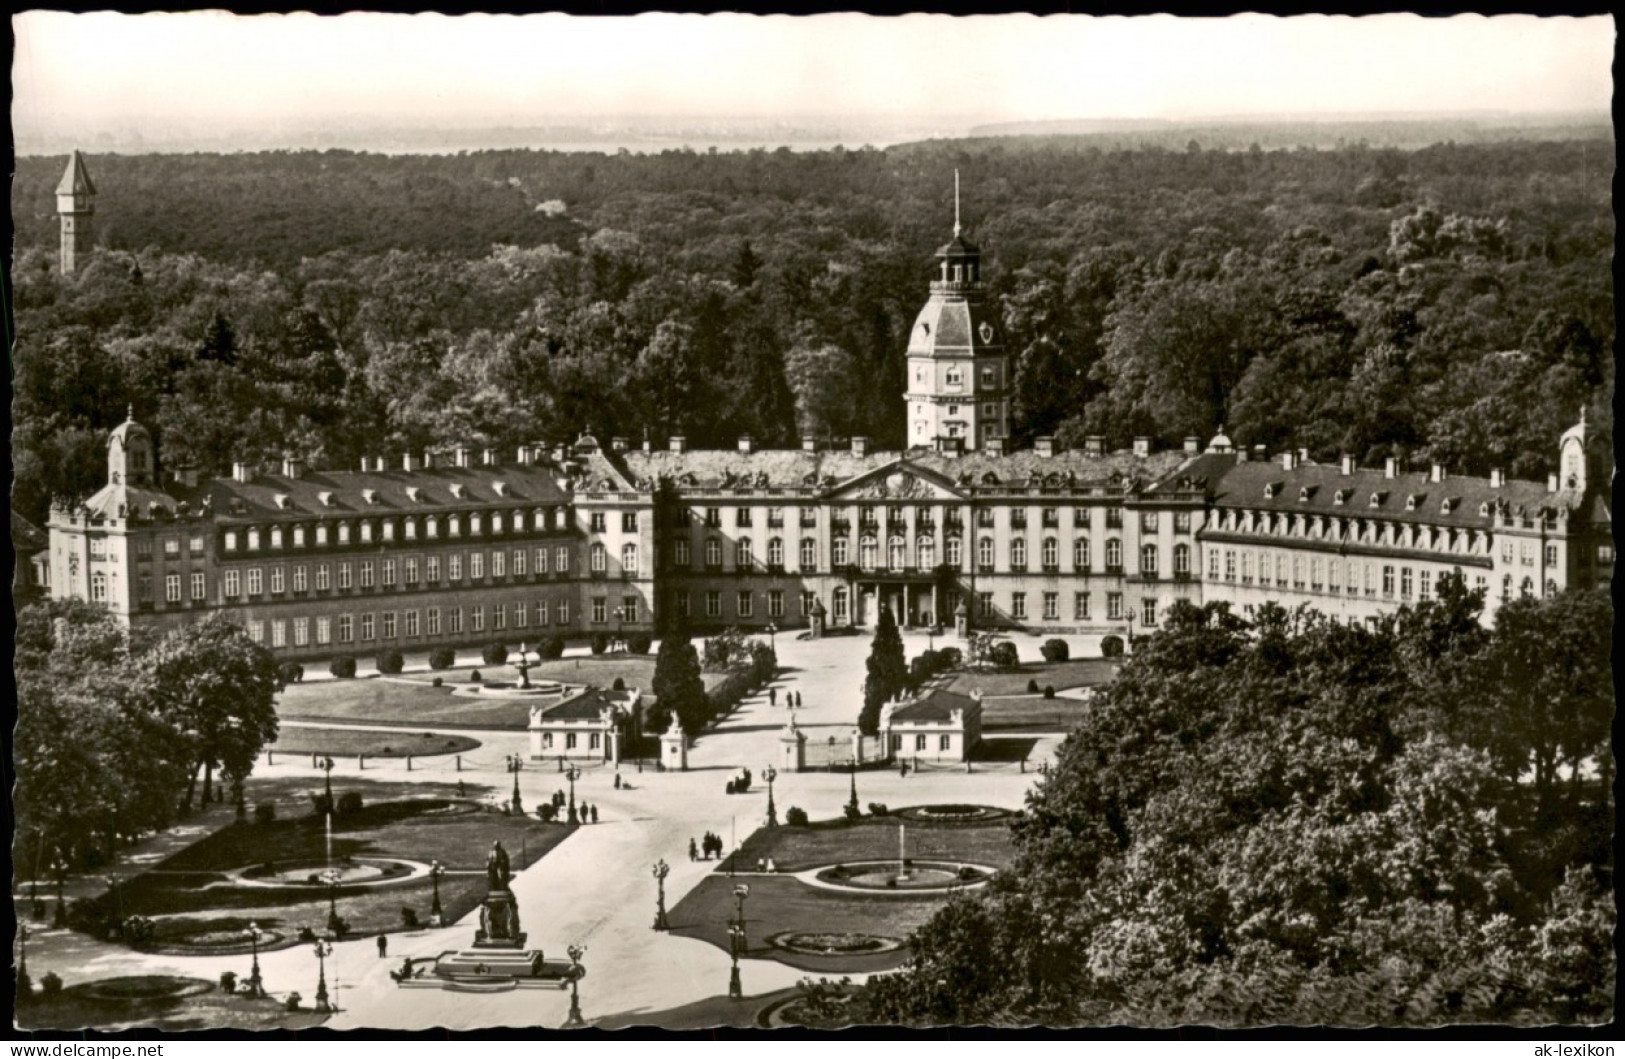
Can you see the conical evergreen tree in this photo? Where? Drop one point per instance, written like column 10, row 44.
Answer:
column 678, row 686
column 888, row 672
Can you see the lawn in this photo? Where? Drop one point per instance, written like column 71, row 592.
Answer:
column 1058, row 675
column 77, row 1007
column 779, row 904
column 414, row 701
column 189, row 894
column 1032, row 713
column 350, row 742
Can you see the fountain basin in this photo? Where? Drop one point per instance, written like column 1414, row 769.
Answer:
column 888, row 876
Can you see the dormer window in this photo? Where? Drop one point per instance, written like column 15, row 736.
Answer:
column 1271, row 489
column 500, row 488
column 321, row 534
column 496, row 522
column 1377, row 498
column 276, row 536
column 475, row 525
column 366, row 533
column 1448, row 504
column 1415, row 499
column 1305, row 493
column 282, row 500
column 369, row 496
column 1341, row 497
column 344, row 533
column 325, row 497
column 458, row 491
column 1484, row 509
column 388, row 529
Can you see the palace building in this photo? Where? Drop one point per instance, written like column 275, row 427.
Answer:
column 466, row 548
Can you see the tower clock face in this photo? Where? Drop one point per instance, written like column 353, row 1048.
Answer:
column 987, row 332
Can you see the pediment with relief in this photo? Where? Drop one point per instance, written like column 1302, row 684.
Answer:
column 899, row 481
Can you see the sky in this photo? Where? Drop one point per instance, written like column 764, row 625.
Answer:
column 206, row 70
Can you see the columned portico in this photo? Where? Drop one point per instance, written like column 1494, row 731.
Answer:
column 911, row 597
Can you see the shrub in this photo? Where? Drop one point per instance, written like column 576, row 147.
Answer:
column 409, row 917
column 731, row 788
column 795, row 816
column 474, row 677
column 951, row 657
column 442, row 658
column 51, row 984
column 552, row 647
column 1049, row 691
column 852, row 811
column 878, row 809
column 138, row 932
column 291, row 672
column 726, row 695
column 390, row 662
column 1005, row 655
column 619, row 685
column 342, row 667
column 1032, row 687
column 639, row 643
column 600, row 642
column 437, row 681
column 228, row 981
column 1055, row 651
column 25, row 987
column 265, row 813
column 495, row 654
column 968, row 873
column 306, row 935
column 548, row 812
column 292, row 1002
column 349, row 803
column 1111, row 646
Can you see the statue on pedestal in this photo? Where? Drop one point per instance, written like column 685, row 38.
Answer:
column 497, row 870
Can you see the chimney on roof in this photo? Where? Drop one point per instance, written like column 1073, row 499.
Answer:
column 860, row 446
column 1241, row 454
column 292, row 466
column 488, row 458
column 526, row 455
column 1094, row 445
column 1390, row 467
column 617, row 445
column 745, row 445
column 809, row 444
column 1497, row 479
column 1260, row 453
column 428, row 459
column 948, row 446
column 1303, row 456
column 1346, row 464
column 410, row 463
column 1436, row 473
column 1289, row 460
column 186, row 475
column 242, row 471
column 993, row 446
column 1142, row 446
column 1044, row 446
column 1193, row 446
column 678, row 443
column 1551, row 483
column 646, row 448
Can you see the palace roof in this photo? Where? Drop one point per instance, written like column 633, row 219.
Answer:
column 375, row 493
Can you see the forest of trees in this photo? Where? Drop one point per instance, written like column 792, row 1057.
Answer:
column 1452, row 303
column 1293, row 821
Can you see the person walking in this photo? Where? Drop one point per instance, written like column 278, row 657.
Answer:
column 772, row 696
column 383, row 946
column 595, row 814
column 693, row 849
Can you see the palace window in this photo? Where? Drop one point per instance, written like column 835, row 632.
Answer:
column 1182, row 521
column 1213, row 564
column 838, row 552
column 599, row 610
column 231, row 542
column 809, row 555
column 868, row 548
column 346, row 628
column 775, row 553
column 344, row 533
column 747, row 605
column 713, row 603
column 301, row 578
column 431, row 621
column 561, row 561
column 1080, row 555
column 629, row 522
column 1080, row 517
column 1229, row 564
column 368, row 627
column 199, row 588
column 324, row 631
column 1114, row 556
column 984, row 553
column 256, row 581
column 951, row 552
column 279, row 634
column 1148, row 560
column 744, row 554
column 172, row 547
column 839, row 608
column 1052, row 606
column 366, row 535
column 1080, row 606
column 388, row 528
column 98, row 587
column 1148, row 522
column 366, row 574
column 1050, row 554
column 896, row 553
column 925, row 550
column 775, row 603
column 1388, row 581
column 681, row 553
column 431, row 527
column 713, row 553
column 984, row 604
column 742, row 517
column 389, row 625
column 1114, row 606
column 519, row 556
column 1148, row 612
column 520, row 615
column 1018, row 605
column 595, row 522
column 1182, row 560
column 629, row 558
column 234, row 584
column 1018, row 553
column 476, row 619
column 598, row 557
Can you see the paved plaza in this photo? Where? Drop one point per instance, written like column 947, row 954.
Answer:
column 595, row 889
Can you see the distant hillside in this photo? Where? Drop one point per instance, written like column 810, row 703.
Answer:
column 1241, row 134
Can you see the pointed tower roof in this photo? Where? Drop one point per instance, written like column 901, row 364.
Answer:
column 75, row 180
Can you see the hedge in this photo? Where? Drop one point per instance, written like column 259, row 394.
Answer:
column 291, row 672
column 1055, row 651
column 550, row 648
column 495, row 654
column 639, row 643
column 726, row 695
column 390, row 662
column 1005, row 655
column 442, row 658
column 342, row 667
column 1111, row 646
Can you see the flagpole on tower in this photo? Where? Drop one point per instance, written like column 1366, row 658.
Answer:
column 956, row 203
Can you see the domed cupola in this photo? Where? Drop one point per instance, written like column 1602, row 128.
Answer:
column 1584, row 456
column 129, row 453
column 957, row 370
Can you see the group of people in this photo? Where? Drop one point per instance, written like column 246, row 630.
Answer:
column 709, row 846
column 792, row 699
column 587, row 814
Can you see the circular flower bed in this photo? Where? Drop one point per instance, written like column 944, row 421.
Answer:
column 226, row 936
column 951, row 814
column 851, row 943
column 916, row 875
column 145, row 987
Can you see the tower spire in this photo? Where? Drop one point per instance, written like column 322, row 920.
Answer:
column 956, row 204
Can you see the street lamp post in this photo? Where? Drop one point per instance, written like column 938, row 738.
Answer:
column 327, row 770
column 255, row 987
column 324, row 949
column 741, row 892
column 574, row 1021
column 853, row 800
column 22, row 953
column 515, row 763
column 736, row 944
column 572, row 774
column 661, row 870
column 770, row 774
column 331, row 877
column 435, row 871
column 772, row 638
